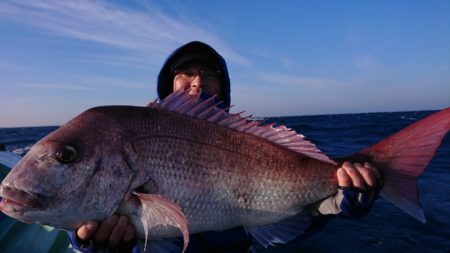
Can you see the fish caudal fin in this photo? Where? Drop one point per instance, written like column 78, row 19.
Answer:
column 403, row 157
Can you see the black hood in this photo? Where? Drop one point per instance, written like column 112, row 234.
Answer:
column 197, row 52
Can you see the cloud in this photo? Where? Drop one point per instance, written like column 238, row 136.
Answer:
column 301, row 81
column 92, row 83
column 147, row 33
column 57, row 87
column 274, row 56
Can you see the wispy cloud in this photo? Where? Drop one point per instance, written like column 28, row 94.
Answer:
column 57, row 86
column 92, row 83
column 149, row 33
column 275, row 57
column 301, row 81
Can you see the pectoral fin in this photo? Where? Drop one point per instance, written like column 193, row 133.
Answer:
column 158, row 210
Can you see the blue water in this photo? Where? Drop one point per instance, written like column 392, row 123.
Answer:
column 386, row 228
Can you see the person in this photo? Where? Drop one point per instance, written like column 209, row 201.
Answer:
column 199, row 67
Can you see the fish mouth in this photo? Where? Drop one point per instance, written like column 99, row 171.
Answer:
column 16, row 200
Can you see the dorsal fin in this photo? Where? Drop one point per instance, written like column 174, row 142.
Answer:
column 192, row 105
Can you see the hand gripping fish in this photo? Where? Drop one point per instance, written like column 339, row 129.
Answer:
column 183, row 166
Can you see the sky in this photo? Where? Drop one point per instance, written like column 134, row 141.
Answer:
column 59, row 58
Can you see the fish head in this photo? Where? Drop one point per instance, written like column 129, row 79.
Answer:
column 75, row 174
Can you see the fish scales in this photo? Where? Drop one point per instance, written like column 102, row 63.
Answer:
column 222, row 178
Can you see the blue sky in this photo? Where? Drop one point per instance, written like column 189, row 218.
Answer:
column 58, row 58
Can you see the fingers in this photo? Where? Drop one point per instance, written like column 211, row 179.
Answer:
column 366, row 173
column 353, row 172
column 358, row 175
column 343, row 178
column 129, row 233
column 105, row 229
column 114, row 231
column 366, row 178
column 118, row 231
column 374, row 170
column 86, row 231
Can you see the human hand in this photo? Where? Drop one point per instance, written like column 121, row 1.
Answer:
column 359, row 186
column 113, row 232
column 358, row 176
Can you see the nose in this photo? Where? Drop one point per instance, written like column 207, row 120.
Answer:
column 196, row 85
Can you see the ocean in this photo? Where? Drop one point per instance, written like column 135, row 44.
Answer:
column 386, row 228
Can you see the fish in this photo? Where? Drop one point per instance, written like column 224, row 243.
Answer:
column 183, row 165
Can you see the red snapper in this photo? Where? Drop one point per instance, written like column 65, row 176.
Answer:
column 184, row 165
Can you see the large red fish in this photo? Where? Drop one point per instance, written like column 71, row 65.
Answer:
column 185, row 165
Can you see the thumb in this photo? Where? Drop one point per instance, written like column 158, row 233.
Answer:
column 86, row 231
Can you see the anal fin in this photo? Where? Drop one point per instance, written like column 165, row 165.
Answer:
column 172, row 245
column 281, row 232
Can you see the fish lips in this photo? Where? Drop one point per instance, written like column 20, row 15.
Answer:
column 18, row 201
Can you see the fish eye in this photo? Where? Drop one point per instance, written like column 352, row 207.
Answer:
column 66, row 154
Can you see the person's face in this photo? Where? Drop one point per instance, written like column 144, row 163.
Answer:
column 198, row 78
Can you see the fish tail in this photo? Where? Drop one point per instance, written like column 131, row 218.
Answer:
column 404, row 156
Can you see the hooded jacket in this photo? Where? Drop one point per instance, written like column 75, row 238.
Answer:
column 194, row 52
